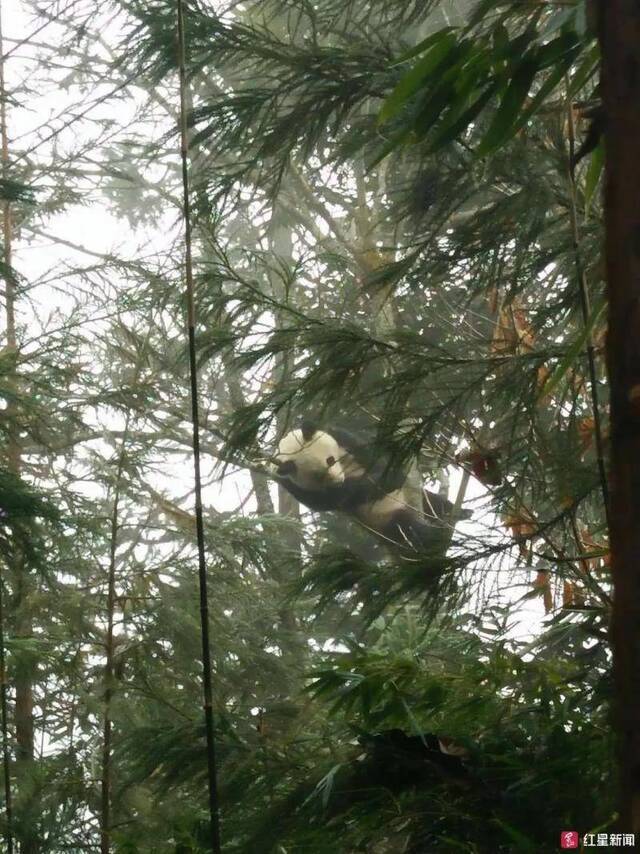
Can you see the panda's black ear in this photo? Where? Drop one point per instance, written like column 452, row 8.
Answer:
column 308, row 429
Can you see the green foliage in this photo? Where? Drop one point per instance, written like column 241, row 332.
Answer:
column 15, row 191
column 431, row 301
column 532, row 729
column 19, row 501
column 512, row 63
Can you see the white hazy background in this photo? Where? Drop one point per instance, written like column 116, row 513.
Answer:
column 59, row 116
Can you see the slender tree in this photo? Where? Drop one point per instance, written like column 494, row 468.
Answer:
column 620, row 42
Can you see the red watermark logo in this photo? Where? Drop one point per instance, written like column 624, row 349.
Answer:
column 569, row 839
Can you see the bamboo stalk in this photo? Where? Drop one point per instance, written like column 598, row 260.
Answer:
column 207, row 689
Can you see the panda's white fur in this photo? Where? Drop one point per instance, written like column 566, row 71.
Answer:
column 313, row 471
column 310, row 457
column 377, row 514
column 320, row 469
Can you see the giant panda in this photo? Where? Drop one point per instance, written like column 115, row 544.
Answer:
column 330, row 469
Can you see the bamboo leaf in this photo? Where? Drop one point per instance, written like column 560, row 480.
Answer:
column 594, row 171
column 421, row 47
column 466, row 85
column 395, row 141
column 480, row 11
column 586, row 69
column 572, row 353
column 557, row 21
column 449, row 131
column 412, row 81
column 543, row 92
column 512, row 101
column 444, row 98
column 524, row 843
column 325, row 786
column 560, row 48
column 434, row 107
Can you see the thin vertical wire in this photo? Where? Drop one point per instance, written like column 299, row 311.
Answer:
column 202, row 566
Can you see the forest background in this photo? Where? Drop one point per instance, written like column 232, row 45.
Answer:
column 394, row 222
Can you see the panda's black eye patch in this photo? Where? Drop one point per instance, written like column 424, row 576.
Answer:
column 289, row 467
column 331, row 461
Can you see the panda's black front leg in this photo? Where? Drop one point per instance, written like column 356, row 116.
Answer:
column 410, row 531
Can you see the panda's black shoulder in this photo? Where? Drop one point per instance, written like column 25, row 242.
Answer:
column 383, row 474
column 309, row 427
column 355, row 444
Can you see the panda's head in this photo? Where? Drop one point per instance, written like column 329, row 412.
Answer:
column 310, row 458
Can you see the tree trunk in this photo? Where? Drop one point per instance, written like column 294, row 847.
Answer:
column 620, row 42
